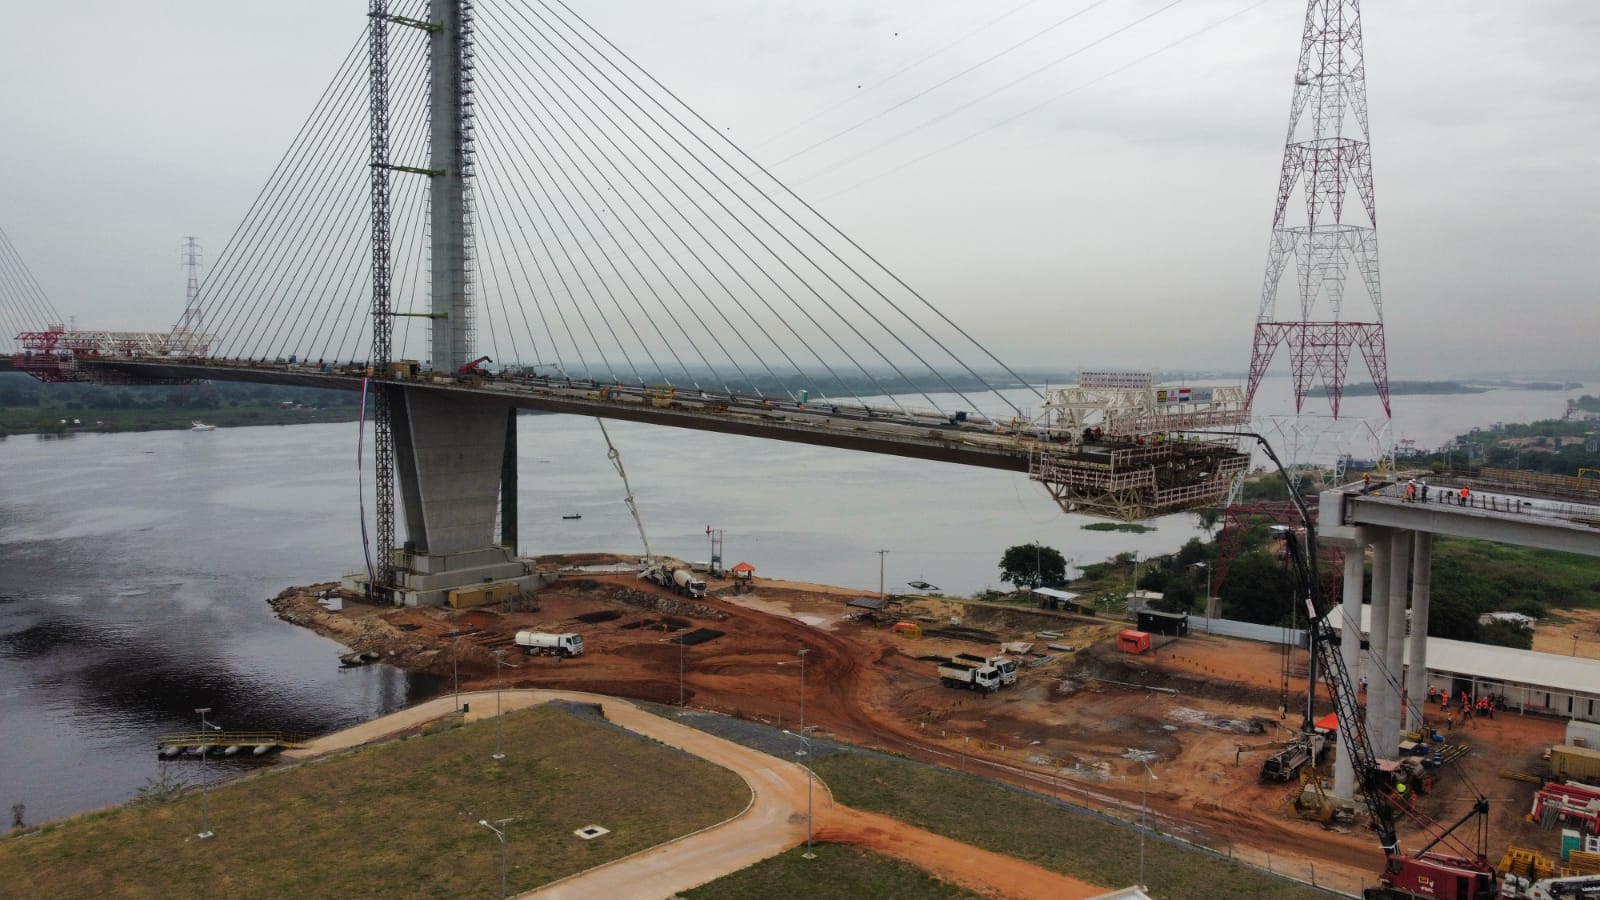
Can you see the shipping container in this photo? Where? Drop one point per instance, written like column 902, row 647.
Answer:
column 1580, row 763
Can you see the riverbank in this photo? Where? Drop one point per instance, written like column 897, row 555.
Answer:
column 58, row 421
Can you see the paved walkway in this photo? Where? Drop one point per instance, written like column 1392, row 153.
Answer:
column 774, row 821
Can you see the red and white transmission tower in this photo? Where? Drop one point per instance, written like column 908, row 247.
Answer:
column 1326, row 155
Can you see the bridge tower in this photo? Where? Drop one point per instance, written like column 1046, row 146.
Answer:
column 451, row 455
column 1327, row 156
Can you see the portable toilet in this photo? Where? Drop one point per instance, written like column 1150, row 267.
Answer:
column 1130, row 641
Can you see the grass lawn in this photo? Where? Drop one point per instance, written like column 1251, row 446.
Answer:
column 396, row 820
column 839, row 871
column 987, row 815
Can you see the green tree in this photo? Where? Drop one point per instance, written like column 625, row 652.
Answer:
column 1033, row 565
column 1259, row 589
column 1506, row 634
column 1208, row 518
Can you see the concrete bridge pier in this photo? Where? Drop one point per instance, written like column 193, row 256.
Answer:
column 1355, row 570
column 1387, row 735
column 1378, row 636
column 1421, row 594
column 451, row 460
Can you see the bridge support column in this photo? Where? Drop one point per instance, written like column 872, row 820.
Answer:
column 508, row 485
column 1421, row 594
column 1355, row 568
column 1378, row 635
column 450, row 462
column 1387, row 735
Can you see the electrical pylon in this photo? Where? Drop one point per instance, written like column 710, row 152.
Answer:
column 1327, row 154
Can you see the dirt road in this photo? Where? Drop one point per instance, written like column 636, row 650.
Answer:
column 774, row 821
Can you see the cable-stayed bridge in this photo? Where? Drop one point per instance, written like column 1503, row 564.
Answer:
column 492, row 207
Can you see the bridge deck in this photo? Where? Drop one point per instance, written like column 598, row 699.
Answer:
column 877, row 431
column 1527, row 519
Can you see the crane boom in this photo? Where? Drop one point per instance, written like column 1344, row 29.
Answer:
column 616, row 460
column 1424, row 874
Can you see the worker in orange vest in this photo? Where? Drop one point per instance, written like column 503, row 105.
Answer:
column 1463, row 495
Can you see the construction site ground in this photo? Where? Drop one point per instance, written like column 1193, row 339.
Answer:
column 1080, row 724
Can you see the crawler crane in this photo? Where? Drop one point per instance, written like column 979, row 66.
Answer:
column 1427, row 874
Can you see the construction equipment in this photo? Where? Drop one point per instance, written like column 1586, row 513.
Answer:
column 1311, row 801
column 1302, row 752
column 681, row 581
column 984, row 679
column 1005, row 665
column 475, row 369
column 616, row 461
column 1426, row 874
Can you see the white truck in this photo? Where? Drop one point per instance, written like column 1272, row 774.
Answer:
column 681, row 581
column 1005, row 665
column 983, row 679
column 544, row 643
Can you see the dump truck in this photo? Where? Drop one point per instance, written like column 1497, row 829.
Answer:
column 545, row 643
column 1285, row 765
column 1005, row 665
column 984, row 678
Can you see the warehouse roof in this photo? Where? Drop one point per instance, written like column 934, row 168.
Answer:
column 1487, row 661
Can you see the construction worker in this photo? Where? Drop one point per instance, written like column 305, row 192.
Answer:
column 1411, row 490
column 1424, row 490
column 1449, row 721
column 1464, row 494
column 1366, row 482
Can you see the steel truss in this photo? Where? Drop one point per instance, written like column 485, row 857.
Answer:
column 1327, row 157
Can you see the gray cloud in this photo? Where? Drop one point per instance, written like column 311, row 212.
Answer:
column 1124, row 224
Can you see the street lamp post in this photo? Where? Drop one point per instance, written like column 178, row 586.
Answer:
column 501, row 834
column 455, row 669
column 802, row 652
column 810, row 778
column 499, row 660
column 1144, row 810
column 205, row 801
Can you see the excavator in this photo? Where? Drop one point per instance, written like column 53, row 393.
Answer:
column 1428, row 873
column 474, row 372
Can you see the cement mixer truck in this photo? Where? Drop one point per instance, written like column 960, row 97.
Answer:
column 681, row 581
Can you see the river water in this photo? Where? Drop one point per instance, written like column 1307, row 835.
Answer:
column 134, row 567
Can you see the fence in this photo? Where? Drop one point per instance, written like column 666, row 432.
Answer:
column 1250, row 631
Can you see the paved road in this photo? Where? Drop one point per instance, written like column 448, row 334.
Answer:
column 774, row 821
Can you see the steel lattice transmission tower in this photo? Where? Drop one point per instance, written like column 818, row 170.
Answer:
column 1327, row 157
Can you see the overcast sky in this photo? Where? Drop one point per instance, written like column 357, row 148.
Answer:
column 1123, row 224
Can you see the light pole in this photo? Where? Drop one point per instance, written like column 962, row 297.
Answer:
column 681, row 644
column 810, row 777
column 881, row 554
column 1144, row 809
column 205, row 801
column 455, row 669
column 1207, row 567
column 501, row 834
column 804, row 650
column 499, row 660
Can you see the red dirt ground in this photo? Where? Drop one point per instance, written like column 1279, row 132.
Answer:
column 1068, row 727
